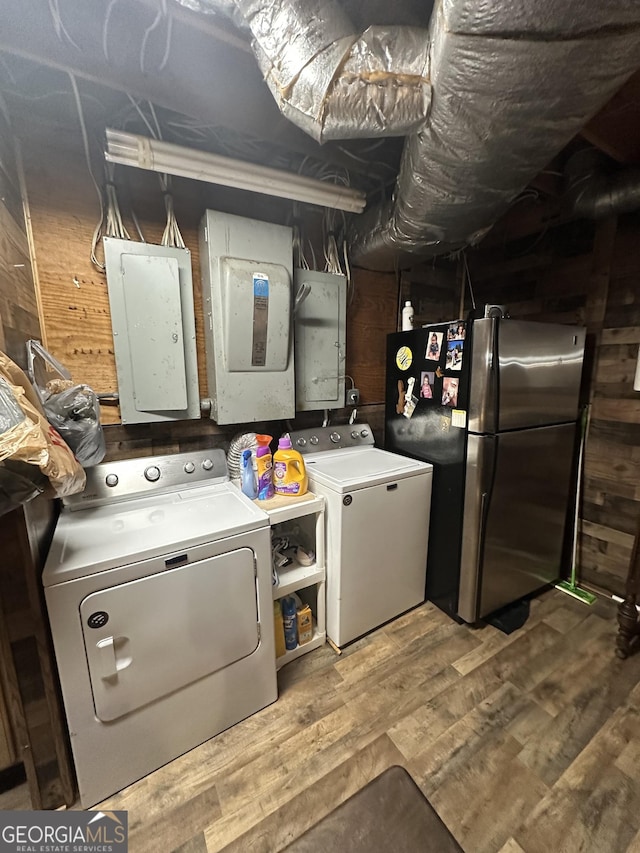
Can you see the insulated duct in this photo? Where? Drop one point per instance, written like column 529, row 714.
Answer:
column 489, row 94
column 591, row 193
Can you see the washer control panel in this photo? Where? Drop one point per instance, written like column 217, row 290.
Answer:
column 332, row 438
column 127, row 478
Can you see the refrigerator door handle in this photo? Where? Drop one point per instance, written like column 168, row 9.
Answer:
column 481, row 454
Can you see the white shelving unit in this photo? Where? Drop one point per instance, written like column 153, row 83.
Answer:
column 295, row 577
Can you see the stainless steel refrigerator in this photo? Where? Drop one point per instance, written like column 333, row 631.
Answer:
column 493, row 404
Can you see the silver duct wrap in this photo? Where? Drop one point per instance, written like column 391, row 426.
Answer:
column 488, row 96
column 213, row 7
column 332, row 82
column 383, row 86
column 591, row 192
column 502, row 107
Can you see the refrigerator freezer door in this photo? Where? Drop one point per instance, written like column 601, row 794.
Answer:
column 524, row 374
column 515, row 513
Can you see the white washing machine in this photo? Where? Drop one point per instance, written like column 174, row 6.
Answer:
column 158, row 588
column 377, row 522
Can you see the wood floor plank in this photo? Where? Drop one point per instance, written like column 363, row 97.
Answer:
column 197, row 844
column 566, row 618
column 494, row 640
column 170, row 829
column 313, row 803
column 584, row 658
column 629, row 760
column 574, row 727
column 634, row 847
column 561, row 654
column 591, row 822
column 583, row 809
column 511, row 846
column 473, row 763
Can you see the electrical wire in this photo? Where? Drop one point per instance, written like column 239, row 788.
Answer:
column 162, row 13
column 137, row 225
column 105, row 29
column 171, row 235
column 114, row 226
column 468, row 275
column 85, row 141
column 58, row 25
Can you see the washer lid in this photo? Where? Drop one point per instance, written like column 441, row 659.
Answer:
column 348, row 470
column 94, row 539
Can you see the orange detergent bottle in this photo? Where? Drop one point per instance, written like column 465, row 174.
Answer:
column 289, row 473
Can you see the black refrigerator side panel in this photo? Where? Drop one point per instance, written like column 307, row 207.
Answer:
column 423, row 427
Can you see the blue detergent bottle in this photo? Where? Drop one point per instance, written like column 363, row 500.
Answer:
column 290, row 619
column 249, row 482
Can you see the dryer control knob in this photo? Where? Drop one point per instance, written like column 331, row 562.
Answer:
column 111, row 480
column 189, row 467
column 335, row 437
column 355, row 434
column 364, row 433
column 301, row 442
column 314, row 439
column 152, row 473
column 207, row 464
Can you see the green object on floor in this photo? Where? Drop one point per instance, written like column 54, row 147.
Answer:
column 571, row 587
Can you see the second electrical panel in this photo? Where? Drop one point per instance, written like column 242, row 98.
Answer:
column 320, row 330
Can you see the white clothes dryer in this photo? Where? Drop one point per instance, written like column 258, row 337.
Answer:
column 158, row 589
column 377, row 526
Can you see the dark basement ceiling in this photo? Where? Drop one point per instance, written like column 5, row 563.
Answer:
column 209, row 92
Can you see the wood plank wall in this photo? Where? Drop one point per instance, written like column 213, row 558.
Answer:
column 586, row 273
column 27, row 659
column 75, row 301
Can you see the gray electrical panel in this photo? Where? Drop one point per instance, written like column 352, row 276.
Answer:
column 247, row 272
column 154, row 335
column 320, row 331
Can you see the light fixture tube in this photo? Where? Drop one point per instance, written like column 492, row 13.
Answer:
column 129, row 149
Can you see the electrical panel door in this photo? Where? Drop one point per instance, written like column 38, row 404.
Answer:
column 154, row 336
column 320, row 329
column 247, row 270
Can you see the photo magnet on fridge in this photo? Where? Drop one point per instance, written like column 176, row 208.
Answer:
column 427, row 378
column 450, row 391
column 410, row 401
column 454, row 355
column 434, row 346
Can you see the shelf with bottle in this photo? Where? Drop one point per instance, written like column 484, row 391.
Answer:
column 319, row 639
column 300, row 520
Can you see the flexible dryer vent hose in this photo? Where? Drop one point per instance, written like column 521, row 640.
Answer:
column 240, row 442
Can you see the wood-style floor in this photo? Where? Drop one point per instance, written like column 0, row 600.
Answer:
column 528, row 742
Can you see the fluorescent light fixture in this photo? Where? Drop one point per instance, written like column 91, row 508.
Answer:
column 129, row 149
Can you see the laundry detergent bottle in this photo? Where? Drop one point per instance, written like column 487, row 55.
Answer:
column 265, row 472
column 289, row 473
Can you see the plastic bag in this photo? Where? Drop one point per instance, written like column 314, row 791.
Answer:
column 73, row 410
column 32, row 440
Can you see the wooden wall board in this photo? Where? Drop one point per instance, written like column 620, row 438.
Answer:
column 371, row 316
column 27, row 658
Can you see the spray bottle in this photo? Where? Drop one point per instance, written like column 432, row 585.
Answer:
column 249, row 482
